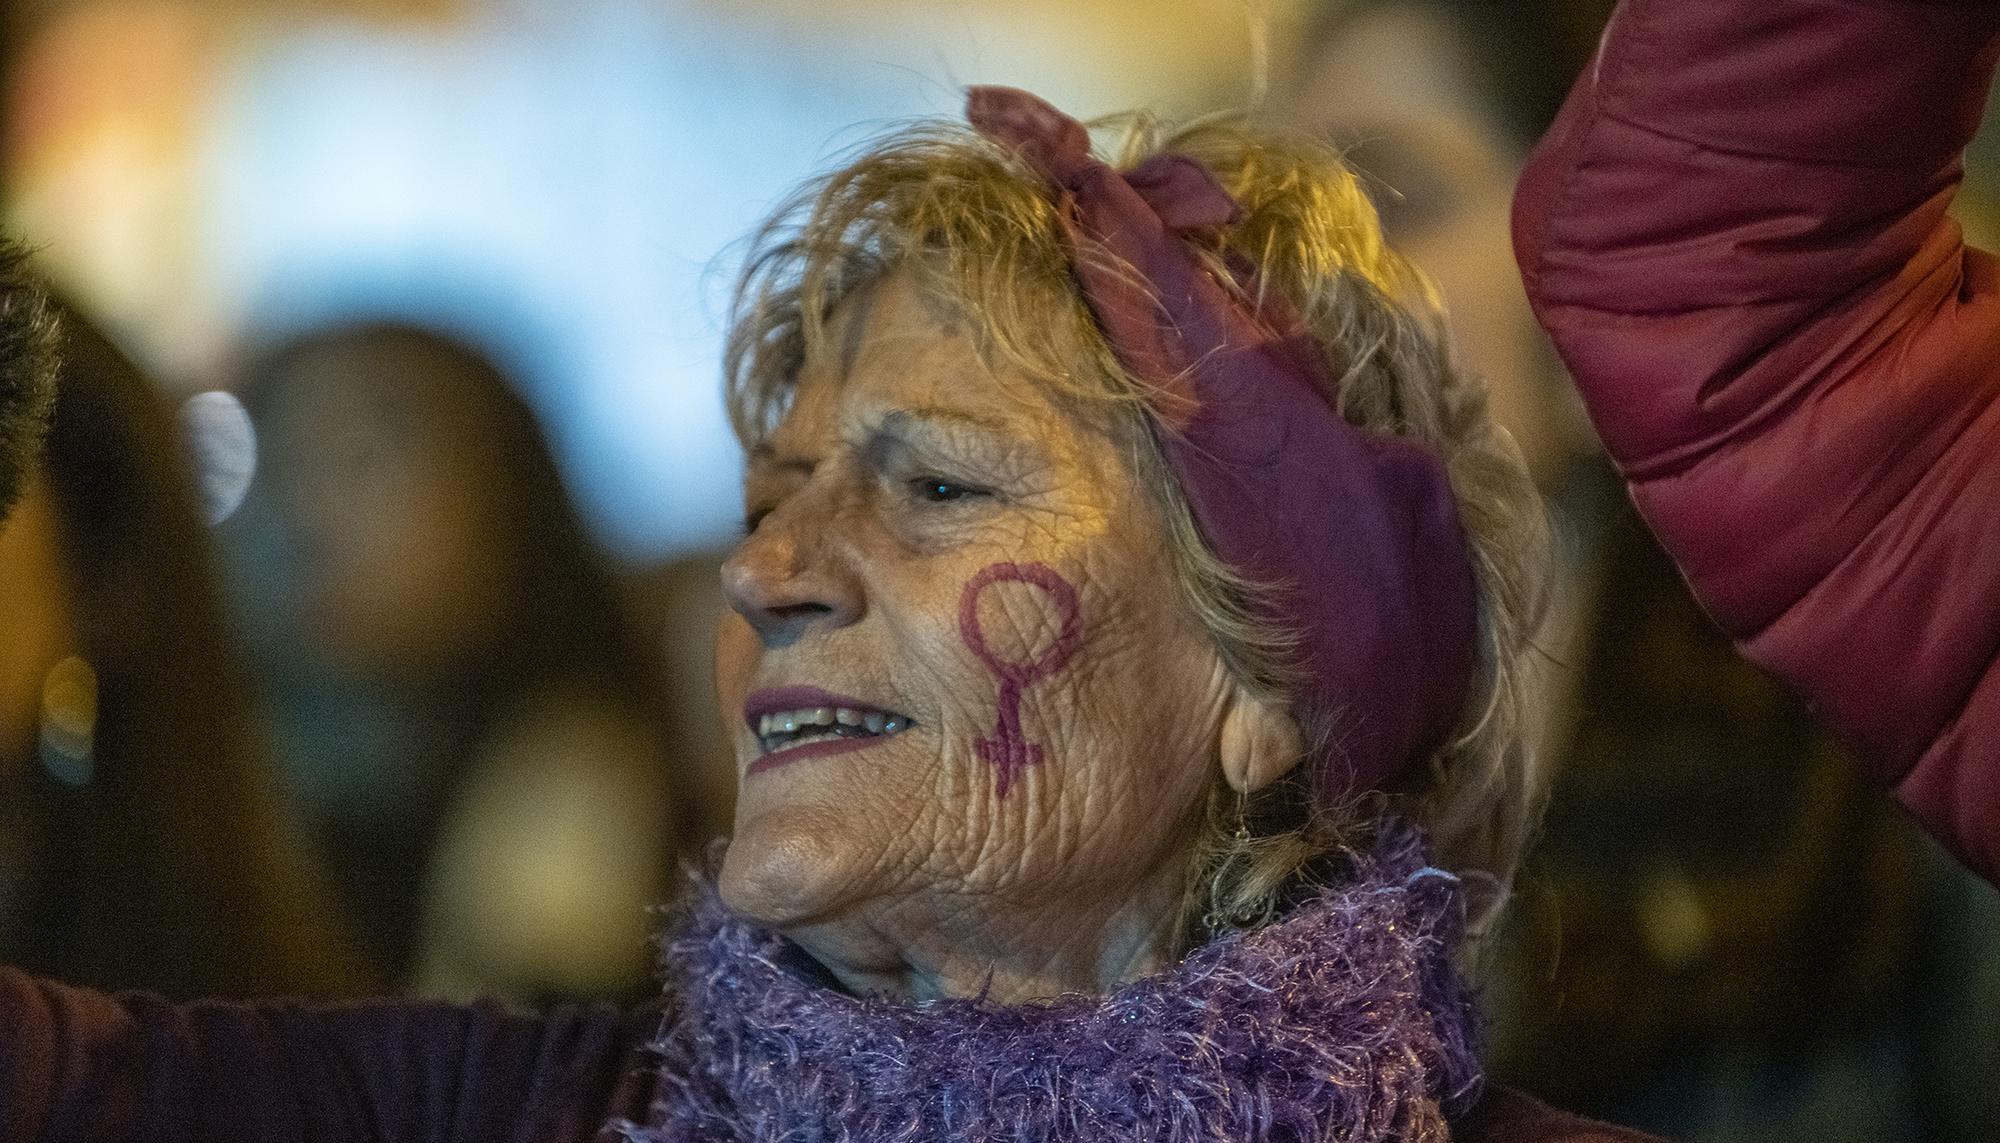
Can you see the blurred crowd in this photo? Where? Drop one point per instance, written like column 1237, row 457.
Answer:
column 319, row 683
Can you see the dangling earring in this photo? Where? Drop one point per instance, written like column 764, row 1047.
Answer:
column 69, row 722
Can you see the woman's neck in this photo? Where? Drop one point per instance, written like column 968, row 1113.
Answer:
column 1006, row 950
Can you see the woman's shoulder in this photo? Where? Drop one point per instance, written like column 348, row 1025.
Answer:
column 1504, row 1115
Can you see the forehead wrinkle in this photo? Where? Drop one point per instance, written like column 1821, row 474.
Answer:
column 854, row 314
column 899, row 310
column 903, row 419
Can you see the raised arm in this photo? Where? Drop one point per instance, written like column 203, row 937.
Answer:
column 1736, row 233
column 81, row 1065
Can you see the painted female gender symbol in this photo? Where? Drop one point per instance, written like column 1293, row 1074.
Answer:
column 1008, row 749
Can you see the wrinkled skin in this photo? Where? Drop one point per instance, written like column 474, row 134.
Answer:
column 904, row 468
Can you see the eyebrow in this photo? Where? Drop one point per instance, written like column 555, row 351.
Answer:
column 902, row 428
column 922, row 428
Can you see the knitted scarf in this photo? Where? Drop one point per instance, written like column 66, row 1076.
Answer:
column 1344, row 1020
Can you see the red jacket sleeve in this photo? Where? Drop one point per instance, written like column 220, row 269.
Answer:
column 1736, row 234
column 77, row 1065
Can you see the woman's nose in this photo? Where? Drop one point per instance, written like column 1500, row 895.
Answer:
column 786, row 579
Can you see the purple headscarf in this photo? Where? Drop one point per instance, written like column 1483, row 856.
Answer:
column 1357, row 535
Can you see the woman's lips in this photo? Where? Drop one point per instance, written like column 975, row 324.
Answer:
column 820, row 749
column 780, row 715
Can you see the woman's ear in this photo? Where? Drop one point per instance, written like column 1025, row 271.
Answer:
column 1261, row 742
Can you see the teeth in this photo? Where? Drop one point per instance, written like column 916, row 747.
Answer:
column 785, row 729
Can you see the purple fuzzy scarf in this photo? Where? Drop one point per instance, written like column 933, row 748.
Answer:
column 1345, row 1020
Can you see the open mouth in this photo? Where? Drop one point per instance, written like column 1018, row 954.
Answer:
column 785, row 730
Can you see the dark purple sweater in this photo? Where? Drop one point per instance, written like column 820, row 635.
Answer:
column 81, row 1066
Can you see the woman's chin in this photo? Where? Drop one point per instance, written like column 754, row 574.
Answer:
column 786, row 866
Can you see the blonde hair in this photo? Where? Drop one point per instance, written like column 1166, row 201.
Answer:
column 982, row 227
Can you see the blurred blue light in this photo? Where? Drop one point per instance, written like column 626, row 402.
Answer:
column 556, row 187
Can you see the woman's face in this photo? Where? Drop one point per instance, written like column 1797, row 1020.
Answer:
column 972, row 572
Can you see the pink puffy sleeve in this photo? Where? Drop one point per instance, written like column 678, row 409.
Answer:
column 77, row 1065
column 1736, row 233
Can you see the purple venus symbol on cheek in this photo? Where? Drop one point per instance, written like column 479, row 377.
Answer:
column 1008, row 749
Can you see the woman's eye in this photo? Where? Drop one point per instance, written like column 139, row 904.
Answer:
column 938, row 491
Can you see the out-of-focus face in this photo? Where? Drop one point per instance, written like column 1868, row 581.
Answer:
column 1394, row 87
column 965, row 694
column 390, row 504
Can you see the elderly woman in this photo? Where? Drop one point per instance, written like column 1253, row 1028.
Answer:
column 1126, row 668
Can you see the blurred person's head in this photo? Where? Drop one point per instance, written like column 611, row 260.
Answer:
column 427, row 609
column 413, row 485
column 140, row 843
column 1437, row 104
column 27, row 370
column 429, row 531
